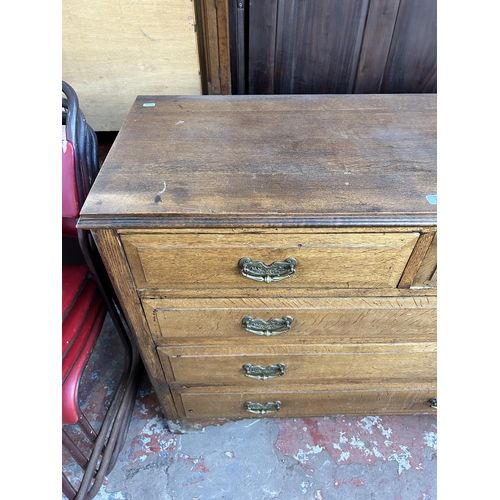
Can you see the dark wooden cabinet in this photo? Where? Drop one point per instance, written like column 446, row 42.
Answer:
column 319, row 46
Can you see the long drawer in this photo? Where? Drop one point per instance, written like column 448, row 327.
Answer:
column 365, row 399
column 250, row 365
column 259, row 321
column 302, row 260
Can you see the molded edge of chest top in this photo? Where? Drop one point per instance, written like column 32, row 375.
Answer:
column 270, row 160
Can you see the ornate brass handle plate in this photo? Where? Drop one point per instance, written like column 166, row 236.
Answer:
column 259, row 271
column 433, row 403
column 276, row 326
column 263, row 408
column 264, row 373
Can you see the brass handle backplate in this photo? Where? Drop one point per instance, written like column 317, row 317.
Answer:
column 258, row 271
column 264, row 373
column 270, row 328
column 433, row 403
column 263, row 408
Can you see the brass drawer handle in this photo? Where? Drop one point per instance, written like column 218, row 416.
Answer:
column 263, row 408
column 258, row 271
column 261, row 373
column 276, row 326
column 433, row 403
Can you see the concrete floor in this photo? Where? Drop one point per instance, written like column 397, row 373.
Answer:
column 363, row 458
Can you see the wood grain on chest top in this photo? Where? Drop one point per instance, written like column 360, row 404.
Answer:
column 237, row 158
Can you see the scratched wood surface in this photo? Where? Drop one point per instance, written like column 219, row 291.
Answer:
column 231, row 158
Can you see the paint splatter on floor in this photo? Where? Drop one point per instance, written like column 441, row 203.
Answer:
column 361, row 440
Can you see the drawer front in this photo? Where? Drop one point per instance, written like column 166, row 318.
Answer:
column 247, row 365
column 427, row 273
column 339, row 260
column 258, row 321
column 231, row 403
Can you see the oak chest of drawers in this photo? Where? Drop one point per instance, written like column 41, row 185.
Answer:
column 276, row 255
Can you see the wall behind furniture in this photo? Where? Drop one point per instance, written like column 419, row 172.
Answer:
column 114, row 50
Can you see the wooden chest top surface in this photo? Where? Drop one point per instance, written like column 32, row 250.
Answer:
column 270, row 160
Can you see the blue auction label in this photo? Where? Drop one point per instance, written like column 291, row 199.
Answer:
column 432, row 199
column 148, row 104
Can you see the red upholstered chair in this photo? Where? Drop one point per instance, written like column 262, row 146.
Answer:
column 87, row 297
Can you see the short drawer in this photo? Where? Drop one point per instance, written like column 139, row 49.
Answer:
column 264, row 321
column 302, row 260
column 426, row 276
column 296, row 402
column 248, row 365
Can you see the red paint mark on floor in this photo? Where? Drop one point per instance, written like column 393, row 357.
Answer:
column 362, row 440
column 355, row 481
column 152, row 439
column 198, row 463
